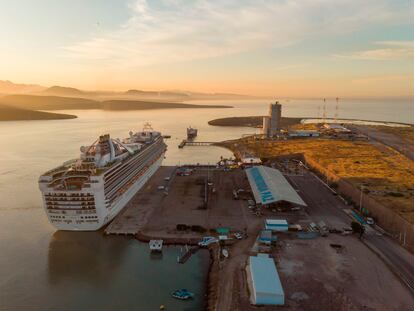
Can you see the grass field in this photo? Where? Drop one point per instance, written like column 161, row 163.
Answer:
column 386, row 175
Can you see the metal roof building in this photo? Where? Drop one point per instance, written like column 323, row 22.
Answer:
column 276, row 224
column 266, row 287
column 269, row 186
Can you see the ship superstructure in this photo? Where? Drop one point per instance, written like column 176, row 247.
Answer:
column 86, row 193
column 191, row 132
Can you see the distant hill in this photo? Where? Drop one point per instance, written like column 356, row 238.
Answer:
column 15, row 114
column 157, row 95
column 35, row 102
column 143, row 105
column 8, row 87
column 63, row 91
column 139, row 93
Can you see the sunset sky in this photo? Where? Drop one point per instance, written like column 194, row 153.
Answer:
column 277, row 48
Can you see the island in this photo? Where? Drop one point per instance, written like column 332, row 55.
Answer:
column 25, row 107
column 16, row 114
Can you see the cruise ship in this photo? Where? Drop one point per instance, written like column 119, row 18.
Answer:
column 87, row 193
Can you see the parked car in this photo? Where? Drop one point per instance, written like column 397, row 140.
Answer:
column 238, row 236
column 161, row 187
column 370, row 221
column 207, row 240
column 251, row 202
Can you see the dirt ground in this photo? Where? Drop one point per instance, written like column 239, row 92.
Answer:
column 352, row 278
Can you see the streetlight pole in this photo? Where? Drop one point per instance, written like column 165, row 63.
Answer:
column 360, row 199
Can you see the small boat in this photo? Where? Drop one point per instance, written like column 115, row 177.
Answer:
column 225, row 253
column 191, row 132
column 155, row 245
column 182, row 294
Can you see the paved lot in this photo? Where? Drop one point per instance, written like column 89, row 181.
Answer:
column 153, row 211
column 183, row 203
column 323, row 205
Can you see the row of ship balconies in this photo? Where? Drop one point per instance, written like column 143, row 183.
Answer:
column 68, row 195
column 60, row 199
column 61, row 211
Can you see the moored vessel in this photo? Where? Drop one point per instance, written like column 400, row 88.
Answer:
column 191, row 132
column 182, row 294
column 87, row 193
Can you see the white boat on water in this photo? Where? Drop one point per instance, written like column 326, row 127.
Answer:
column 155, row 245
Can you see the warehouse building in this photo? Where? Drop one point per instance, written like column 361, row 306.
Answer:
column 276, row 225
column 270, row 186
column 264, row 282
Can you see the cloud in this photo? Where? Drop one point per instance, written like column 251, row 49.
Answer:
column 390, row 50
column 169, row 31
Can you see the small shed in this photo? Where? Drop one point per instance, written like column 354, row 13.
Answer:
column 303, row 133
column 266, row 287
column 265, row 237
column 223, row 230
column 276, row 224
column 250, row 161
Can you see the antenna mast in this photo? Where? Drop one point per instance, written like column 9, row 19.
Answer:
column 336, row 109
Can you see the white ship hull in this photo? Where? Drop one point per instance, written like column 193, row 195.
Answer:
column 86, row 194
column 70, row 223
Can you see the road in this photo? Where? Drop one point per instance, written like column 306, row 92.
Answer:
column 324, row 205
column 388, row 139
column 399, row 259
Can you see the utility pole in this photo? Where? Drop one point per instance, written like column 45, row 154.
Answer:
column 324, row 110
column 360, row 199
column 336, row 109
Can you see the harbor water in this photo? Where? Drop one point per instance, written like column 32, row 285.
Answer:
column 42, row 269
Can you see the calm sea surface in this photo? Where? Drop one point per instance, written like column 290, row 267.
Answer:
column 41, row 269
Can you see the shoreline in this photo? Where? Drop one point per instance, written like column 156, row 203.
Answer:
column 256, row 121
